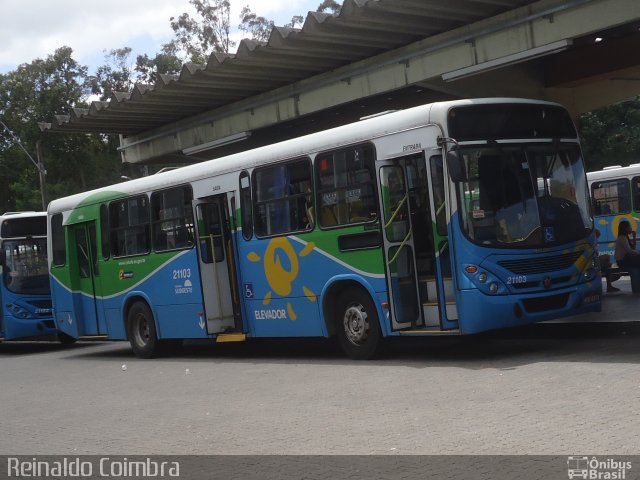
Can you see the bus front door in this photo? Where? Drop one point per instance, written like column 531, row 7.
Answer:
column 443, row 287
column 85, row 274
column 399, row 244
column 217, row 270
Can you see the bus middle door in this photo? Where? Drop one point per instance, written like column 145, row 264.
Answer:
column 217, row 269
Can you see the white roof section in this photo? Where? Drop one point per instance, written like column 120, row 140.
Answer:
column 608, row 173
column 312, row 144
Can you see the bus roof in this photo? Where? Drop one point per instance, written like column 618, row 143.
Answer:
column 14, row 215
column 311, row 144
column 614, row 172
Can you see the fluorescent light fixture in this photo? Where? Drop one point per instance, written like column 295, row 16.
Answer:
column 236, row 137
column 508, row 60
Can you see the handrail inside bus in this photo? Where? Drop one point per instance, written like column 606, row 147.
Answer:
column 395, row 213
column 404, row 242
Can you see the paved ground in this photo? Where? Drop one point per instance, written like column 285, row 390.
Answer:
column 560, row 388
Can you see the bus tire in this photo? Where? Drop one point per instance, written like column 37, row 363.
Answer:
column 141, row 329
column 357, row 326
column 65, row 339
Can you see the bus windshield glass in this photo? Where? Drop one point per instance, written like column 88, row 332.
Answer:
column 524, row 196
column 25, row 266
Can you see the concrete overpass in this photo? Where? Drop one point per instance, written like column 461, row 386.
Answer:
column 376, row 55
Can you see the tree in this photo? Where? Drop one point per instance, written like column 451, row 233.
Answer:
column 254, row 26
column 115, row 75
column 74, row 163
column 611, row 135
column 331, row 5
column 195, row 39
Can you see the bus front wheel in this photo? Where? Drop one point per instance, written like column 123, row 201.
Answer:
column 141, row 329
column 358, row 327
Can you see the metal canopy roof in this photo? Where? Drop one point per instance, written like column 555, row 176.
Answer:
column 364, row 28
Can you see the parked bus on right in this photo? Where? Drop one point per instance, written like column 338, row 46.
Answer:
column 615, row 192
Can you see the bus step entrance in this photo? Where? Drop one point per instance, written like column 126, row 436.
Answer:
column 231, row 337
column 94, row 337
column 429, row 331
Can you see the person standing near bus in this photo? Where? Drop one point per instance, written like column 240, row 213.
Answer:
column 626, row 254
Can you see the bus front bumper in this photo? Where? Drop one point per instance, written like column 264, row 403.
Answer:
column 502, row 311
column 14, row 327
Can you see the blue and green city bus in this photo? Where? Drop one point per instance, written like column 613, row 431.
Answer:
column 24, row 291
column 450, row 218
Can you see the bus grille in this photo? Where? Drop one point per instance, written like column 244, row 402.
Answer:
column 40, row 303
column 542, row 304
column 528, row 266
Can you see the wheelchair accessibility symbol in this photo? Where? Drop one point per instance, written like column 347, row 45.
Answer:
column 549, row 234
column 248, row 290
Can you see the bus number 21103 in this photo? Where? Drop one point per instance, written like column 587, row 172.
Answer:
column 517, row 279
column 182, row 273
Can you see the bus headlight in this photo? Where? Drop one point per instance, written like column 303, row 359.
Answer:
column 493, row 287
column 482, row 277
column 18, row 311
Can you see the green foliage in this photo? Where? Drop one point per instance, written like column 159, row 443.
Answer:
column 331, row 5
column 37, row 91
column 114, row 76
column 254, row 26
column 196, row 39
column 611, row 135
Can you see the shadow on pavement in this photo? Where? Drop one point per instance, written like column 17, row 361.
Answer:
column 556, row 342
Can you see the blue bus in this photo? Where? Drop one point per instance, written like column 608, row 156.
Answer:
column 26, row 301
column 444, row 219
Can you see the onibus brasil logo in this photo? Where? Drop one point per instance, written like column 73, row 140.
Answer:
column 281, row 276
column 597, row 469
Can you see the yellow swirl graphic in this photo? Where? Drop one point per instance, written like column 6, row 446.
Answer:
column 280, row 279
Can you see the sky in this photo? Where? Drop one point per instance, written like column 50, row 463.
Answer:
column 36, row 28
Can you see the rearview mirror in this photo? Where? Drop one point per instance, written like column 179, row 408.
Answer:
column 456, row 167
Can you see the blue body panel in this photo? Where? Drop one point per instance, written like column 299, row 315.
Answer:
column 25, row 316
column 176, row 304
column 282, row 286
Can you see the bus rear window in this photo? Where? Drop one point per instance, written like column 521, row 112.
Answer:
column 59, row 253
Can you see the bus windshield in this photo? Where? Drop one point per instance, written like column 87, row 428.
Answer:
column 524, row 196
column 25, row 267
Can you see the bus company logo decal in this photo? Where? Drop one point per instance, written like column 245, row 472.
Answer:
column 281, row 268
column 123, row 274
column 595, row 468
column 186, row 287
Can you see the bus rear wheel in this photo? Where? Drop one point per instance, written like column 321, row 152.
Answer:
column 141, row 329
column 358, row 327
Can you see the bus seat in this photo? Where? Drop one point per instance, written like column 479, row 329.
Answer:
column 328, row 216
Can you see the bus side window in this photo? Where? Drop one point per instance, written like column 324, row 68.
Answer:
column 172, row 219
column 280, row 194
column 245, row 205
column 129, row 226
column 346, row 188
